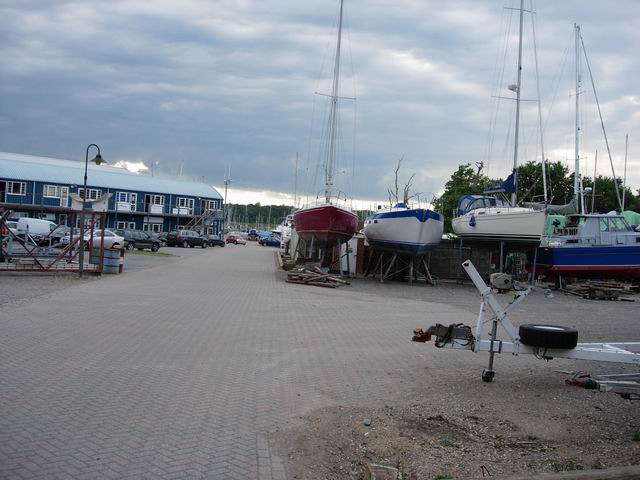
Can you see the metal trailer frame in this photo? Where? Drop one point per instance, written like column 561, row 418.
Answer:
column 460, row 337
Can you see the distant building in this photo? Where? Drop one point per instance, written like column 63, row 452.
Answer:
column 40, row 187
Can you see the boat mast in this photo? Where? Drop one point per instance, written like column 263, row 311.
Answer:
column 577, row 190
column 593, row 190
column 544, row 160
column 624, row 181
column 333, row 116
column 514, row 196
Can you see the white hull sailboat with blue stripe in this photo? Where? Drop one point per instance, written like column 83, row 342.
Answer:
column 405, row 231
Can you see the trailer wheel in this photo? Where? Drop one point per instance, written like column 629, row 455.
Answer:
column 548, row 336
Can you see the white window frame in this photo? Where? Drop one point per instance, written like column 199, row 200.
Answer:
column 127, row 197
column 157, row 200
column 185, row 202
column 23, row 188
column 52, row 191
column 152, row 227
column 93, row 193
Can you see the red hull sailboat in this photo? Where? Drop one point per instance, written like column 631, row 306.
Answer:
column 327, row 222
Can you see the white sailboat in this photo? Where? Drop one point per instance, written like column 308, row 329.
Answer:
column 403, row 230
column 481, row 217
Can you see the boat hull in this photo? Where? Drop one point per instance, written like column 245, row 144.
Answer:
column 590, row 261
column 517, row 225
column 408, row 232
column 325, row 224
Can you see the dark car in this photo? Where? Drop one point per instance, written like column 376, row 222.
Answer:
column 139, row 239
column 162, row 238
column 214, row 240
column 272, row 241
column 186, row 238
column 253, row 235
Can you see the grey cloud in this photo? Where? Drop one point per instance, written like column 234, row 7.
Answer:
column 217, row 83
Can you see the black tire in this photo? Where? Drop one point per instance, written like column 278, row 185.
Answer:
column 205, row 245
column 130, row 246
column 548, row 336
column 185, row 244
column 155, row 247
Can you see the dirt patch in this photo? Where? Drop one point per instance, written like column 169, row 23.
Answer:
column 424, row 442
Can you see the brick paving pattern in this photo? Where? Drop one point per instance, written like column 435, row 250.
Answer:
column 183, row 370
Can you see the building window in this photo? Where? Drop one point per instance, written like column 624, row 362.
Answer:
column 126, row 225
column 126, row 201
column 185, row 205
column 52, row 191
column 152, row 227
column 17, row 188
column 157, row 199
column 185, row 202
column 92, row 193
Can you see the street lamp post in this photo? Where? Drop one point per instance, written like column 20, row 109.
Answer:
column 98, row 160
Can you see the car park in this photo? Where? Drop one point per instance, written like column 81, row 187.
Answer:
column 186, row 238
column 214, row 240
column 271, row 241
column 139, row 239
column 236, row 240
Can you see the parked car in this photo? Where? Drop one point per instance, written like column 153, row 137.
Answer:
column 271, row 241
column 11, row 227
column 139, row 239
column 215, row 240
column 111, row 240
column 253, row 235
column 36, row 226
column 236, row 240
column 162, row 238
column 186, row 238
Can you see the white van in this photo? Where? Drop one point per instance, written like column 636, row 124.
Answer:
column 36, row 226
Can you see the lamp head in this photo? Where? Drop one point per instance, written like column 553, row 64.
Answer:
column 98, row 160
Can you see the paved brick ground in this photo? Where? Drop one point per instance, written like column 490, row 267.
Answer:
column 183, row 370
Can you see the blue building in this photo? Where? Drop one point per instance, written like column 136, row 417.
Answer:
column 41, row 187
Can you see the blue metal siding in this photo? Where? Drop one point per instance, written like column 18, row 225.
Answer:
column 34, row 196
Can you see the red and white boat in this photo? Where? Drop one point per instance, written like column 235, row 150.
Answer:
column 325, row 223
column 328, row 221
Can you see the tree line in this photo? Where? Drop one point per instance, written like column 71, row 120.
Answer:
column 469, row 180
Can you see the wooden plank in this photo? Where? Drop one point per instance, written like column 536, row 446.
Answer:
column 618, row 473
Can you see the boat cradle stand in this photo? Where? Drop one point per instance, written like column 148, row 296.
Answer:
column 548, row 342
column 411, row 267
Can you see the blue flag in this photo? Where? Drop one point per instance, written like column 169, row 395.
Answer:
column 509, row 185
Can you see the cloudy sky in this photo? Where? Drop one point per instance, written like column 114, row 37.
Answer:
column 198, row 86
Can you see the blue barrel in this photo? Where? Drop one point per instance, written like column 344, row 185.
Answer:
column 111, row 261
column 94, row 257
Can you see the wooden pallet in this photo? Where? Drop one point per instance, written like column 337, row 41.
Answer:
column 315, row 277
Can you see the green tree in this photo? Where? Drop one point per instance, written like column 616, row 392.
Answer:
column 464, row 181
column 531, row 186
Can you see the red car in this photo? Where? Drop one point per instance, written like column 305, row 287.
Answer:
column 236, row 240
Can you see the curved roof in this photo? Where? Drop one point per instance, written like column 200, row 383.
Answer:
column 43, row 169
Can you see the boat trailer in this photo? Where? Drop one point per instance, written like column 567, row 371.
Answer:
column 544, row 341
